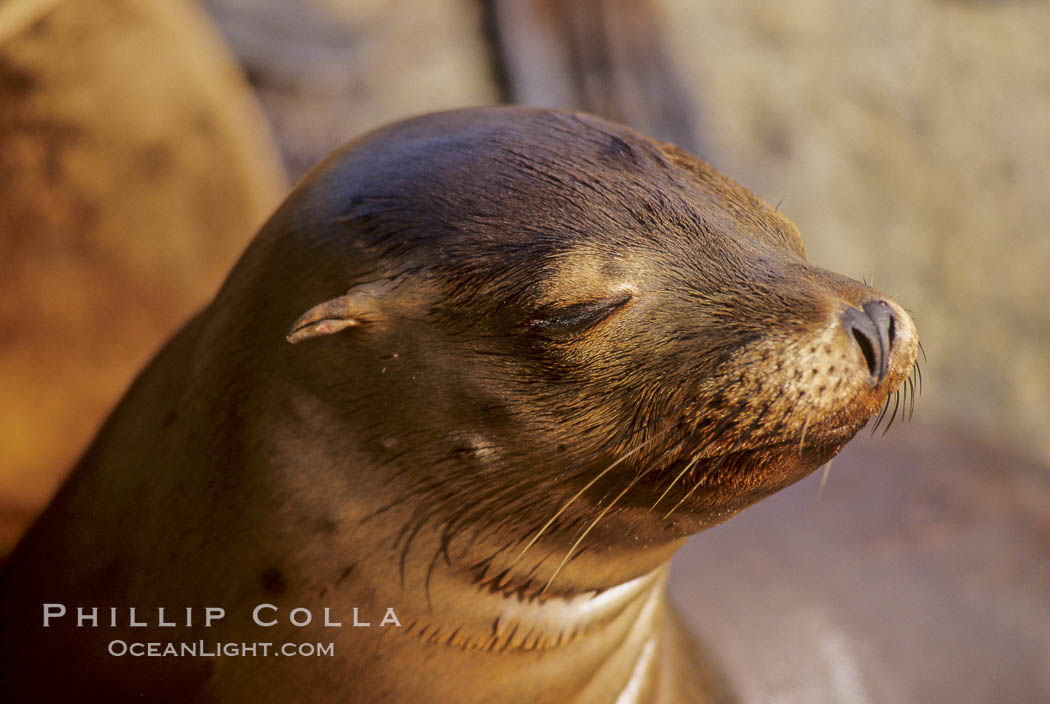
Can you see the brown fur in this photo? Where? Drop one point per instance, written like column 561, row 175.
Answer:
column 124, row 200
column 533, row 352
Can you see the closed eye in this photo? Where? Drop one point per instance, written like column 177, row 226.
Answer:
column 576, row 317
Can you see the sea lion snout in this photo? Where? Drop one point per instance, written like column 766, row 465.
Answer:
column 882, row 338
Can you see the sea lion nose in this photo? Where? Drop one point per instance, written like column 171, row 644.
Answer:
column 873, row 328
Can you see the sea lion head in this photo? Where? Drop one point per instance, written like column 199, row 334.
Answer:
column 555, row 335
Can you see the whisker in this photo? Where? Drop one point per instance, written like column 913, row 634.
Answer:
column 713, row 434
column 824, row 479
column 638, row 431
column 904, row 400
column 721, row 460
column 882, row 415
column 911, row 406
column 896, row 404
column 593, row 523
column 674, row 481
column 699, row 482
column 580, row 493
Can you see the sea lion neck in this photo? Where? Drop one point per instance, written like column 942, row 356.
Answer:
column 349, row 493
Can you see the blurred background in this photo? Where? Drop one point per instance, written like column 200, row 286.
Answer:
column 142, row 143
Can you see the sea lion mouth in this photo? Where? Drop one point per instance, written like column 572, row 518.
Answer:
column 810, row 438
column 837, row 435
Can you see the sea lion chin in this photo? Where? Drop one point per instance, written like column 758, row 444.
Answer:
column 488, row 368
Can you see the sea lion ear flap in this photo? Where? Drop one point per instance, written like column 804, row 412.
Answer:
column 327, row 318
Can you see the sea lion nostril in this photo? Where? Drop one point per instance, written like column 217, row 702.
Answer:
column 868, row 349
column 882, row 314
column 874, row 329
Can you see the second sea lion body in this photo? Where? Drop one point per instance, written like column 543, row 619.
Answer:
column 532, row 353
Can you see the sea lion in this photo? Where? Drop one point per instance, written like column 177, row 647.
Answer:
column 473, row 384
column 124, row 201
